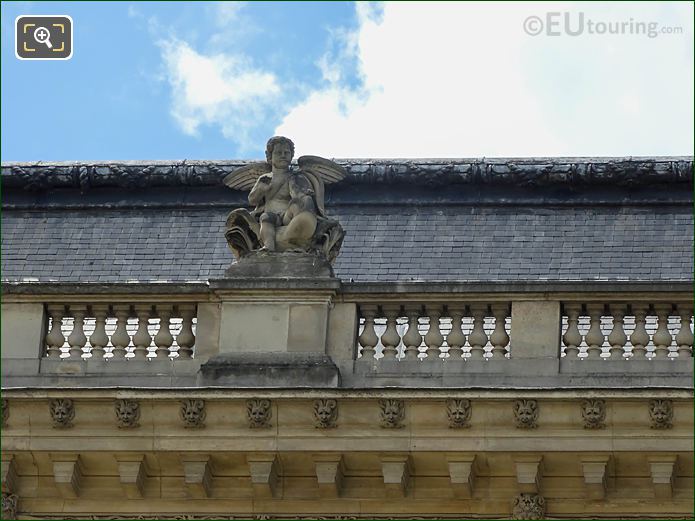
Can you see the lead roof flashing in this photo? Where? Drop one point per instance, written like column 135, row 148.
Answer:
column 530, row 172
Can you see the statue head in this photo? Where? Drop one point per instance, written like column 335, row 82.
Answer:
column 279, row 152
column 62, row 412
column 127, row 413
column 661, row 414
column 192, row 412
column 258, row 412
column 526, row 413
column 325, row 413
column 459, row 412
column 594, row 413
column 392, row 413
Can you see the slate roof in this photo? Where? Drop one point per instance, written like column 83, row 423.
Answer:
column 417, row 234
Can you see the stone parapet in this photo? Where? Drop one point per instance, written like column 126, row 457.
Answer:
column 502, row 335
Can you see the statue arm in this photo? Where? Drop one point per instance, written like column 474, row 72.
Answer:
column 259, row 190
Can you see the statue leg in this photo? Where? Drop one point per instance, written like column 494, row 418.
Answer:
column 268, row 232
column 300, row 230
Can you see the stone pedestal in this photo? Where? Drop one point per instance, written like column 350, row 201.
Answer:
column 274, row 310
column 270, row 370
column 270, row 265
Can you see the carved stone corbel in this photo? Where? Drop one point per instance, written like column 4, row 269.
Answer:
column 529, row 473
column 663, row 472
column 197, row 474
column 462, row 473
column 67, row 474
column 595, row 470
column 132, row 474
column 265, row 475
column 330, row 471
column 397, row 471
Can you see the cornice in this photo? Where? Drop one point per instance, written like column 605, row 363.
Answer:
column 579, row 171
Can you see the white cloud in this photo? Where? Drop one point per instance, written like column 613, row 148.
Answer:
column 454, row 80
column 228, row 11
column 219, row 89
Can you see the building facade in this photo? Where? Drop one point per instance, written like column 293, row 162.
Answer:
column 499, row 339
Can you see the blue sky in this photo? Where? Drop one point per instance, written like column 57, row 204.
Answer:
column 214, row 80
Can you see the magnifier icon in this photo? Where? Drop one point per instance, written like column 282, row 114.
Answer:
column 43, row 35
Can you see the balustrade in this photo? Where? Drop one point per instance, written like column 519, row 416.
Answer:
column 627, row 331
column 476, row 331
column 120, row 331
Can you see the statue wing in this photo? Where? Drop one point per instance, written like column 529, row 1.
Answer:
column 243, row 178
column 321, row 171
column 327, row 170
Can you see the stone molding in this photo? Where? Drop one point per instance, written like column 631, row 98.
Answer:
column 135, row 175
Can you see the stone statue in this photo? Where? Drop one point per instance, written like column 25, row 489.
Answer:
column 289, row 214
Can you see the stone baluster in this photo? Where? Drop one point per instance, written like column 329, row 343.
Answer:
column 594, row 337
column 55, row 338
column 433, row 337
column 499, row 337
column 163, row 339
column 142, row 338
column 98, row 339
column 572, row 337
column 120, row 338
column 390, row 339
column 478, row 338
column 185, row 338
column 639, row 337
column 456, row 339
column 412, row 338
column 662, row 337
column 617, row 337
column 77, row 339
column 368, row 339
column 684, row 337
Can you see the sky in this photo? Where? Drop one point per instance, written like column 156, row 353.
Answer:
column 215, row 80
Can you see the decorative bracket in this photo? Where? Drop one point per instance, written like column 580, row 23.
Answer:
column 529, row 473
column 330, row 470
column 132, row 472
column 595, row 470
column 663, row 471
column 463, row 470
column 397, row 471
column 265, row 475
column 68, row 473
column 197, row 472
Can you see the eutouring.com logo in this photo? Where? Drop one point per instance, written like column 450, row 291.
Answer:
column 557, row 23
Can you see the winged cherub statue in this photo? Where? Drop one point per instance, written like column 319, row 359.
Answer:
column 289, row 212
